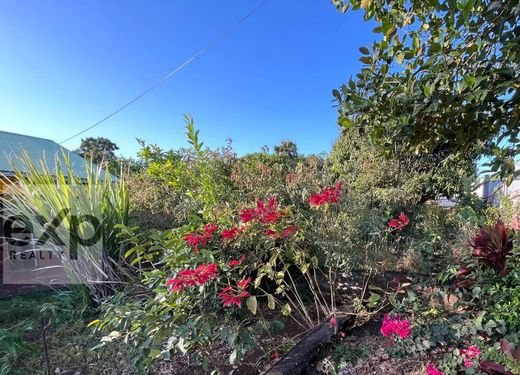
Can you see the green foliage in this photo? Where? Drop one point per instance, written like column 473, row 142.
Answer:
column 199, row 175
column 402, row 179
column 442, row 79
column 473, row 305
column 40, row 195
column 97, row 150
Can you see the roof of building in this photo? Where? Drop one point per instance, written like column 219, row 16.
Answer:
column 12, row 147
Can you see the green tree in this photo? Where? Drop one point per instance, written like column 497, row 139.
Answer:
column 99, row 150
column 287, row 150
column 443, row 78
column 404, row 179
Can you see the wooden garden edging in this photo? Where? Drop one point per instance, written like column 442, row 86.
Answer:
column 308, row 349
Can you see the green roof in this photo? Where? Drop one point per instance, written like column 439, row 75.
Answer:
column 13, row 145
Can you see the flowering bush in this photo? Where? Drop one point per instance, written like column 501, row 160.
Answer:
column 194, row 274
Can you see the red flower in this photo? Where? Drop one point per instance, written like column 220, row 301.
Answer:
column 271, row 233
column 244, row 283
column 187, row 278
column 332, row 322
column 248, row 215
column 237, row 262
column 274, row 356
column 230, row 233
column 289, row 231
column 400, row 222
column 394, row 326
column 197, row 238
column 265, row 213
column 328, row 195
column 231, row 296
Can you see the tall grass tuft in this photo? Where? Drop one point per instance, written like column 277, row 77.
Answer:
column 39, row 194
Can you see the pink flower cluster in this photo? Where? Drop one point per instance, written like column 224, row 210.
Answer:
column 187, row 278
column 198, row 238
column 399, row 222
column 433, row 370
column 469, row 355
column 394, row 326
column 265, row 212
column 331, row 194
column 515, row 223
column 233, row 296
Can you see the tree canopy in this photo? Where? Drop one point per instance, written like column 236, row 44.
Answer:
column 99, row 150
column 443, row 77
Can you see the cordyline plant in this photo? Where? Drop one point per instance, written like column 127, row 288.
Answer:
column 493, row 244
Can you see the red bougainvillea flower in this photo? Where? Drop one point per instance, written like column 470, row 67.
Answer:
column 469, row 355
column 187, row 278
column 198, row 238
column 265, row 212
column 231, row 296
column 433, row 370
column 237, row 262
column 331, row 194
column 229, row 234
column 399, row 222
column 395, row 326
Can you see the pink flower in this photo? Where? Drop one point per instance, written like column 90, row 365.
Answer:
column 332, row 322
column 515, row 223
column 394, row 326
column 470, row 354
column 433, row 370
column 237, row 262
column 400, row 222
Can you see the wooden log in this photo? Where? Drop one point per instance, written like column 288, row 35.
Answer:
column 309, row 348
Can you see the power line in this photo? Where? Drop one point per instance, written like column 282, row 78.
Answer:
column 173, row 72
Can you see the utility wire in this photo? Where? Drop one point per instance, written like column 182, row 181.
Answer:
column 173, row 72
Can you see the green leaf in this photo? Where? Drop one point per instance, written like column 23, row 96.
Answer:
column 271, row 301
column 252, row 304
column 286, row 310
column 233, row 356
column 364, row 50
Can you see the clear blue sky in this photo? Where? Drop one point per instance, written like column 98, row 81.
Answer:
column 66, row 64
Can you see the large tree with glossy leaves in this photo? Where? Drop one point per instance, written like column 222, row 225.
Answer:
column 442, row 77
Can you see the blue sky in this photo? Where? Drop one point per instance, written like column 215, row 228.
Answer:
column 64, row 65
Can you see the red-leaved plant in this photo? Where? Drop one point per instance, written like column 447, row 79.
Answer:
column 492, row 244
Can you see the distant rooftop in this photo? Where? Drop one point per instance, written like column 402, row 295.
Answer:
column 13, row 145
